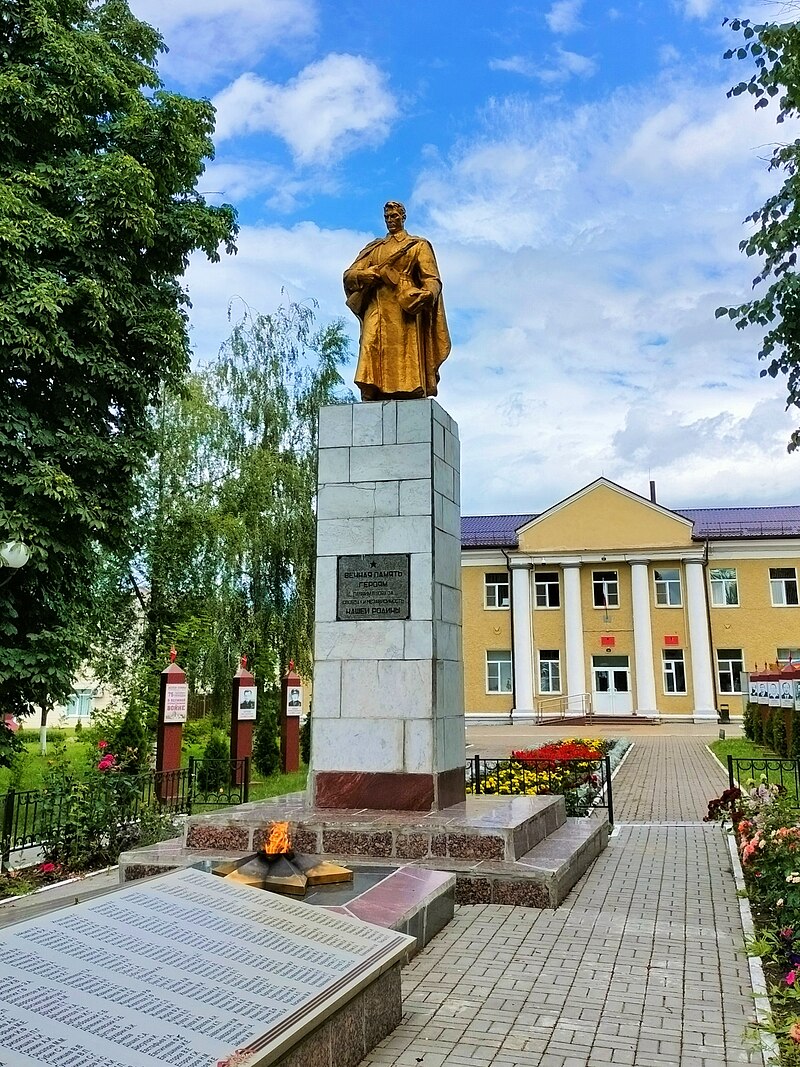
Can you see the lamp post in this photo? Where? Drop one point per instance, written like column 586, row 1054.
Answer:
column 13, row 554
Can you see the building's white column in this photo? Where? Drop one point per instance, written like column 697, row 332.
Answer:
column 573, row 628
column 523, row 638
column 702, row 668
column 642, row 637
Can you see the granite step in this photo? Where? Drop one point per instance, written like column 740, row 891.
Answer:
column 541, row 878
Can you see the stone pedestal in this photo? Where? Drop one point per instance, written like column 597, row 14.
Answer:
column 388, row 726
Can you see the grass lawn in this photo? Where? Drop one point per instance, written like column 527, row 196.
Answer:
column 34, row 767
column 741, row 748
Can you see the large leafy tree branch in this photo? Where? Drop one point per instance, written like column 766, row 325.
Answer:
column 98, row 218
column 775, row 52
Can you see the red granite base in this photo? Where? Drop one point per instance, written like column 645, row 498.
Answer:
column 385, row 791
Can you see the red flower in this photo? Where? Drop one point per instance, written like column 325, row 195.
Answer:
column 46, row 868
column 102, row 744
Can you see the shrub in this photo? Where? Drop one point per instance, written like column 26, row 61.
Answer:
column 198, row 730
column 758, row 726
column 78, row 728
column 131, row 743
column 305, row 740
column 214, row 772
column 748, row 720
column 795, row 750
column 266, row 747
column 779, row 741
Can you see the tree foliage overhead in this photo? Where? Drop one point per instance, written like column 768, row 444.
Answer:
column 98, row 218
column 775, row 51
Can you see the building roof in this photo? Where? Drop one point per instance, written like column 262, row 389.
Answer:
column 500, row 531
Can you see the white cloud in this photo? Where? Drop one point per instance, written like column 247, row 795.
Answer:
column 697, row 9
column 583, row 252
column 564, row 16
column 332, row 107
column 558, row 66
column 208, row 37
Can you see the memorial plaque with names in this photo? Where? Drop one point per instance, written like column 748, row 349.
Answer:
column 373, row 587
column 179, row 972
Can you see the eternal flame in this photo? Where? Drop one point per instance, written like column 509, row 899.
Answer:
column 395, row 290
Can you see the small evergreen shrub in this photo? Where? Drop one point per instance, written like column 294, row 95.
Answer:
column 214, row 772
column 779, row 740
column 78, row 728
column 748, row 723
column 794, row 751
column 266, row 746
column 131, row 743
column 758, row 726
column 305, row 740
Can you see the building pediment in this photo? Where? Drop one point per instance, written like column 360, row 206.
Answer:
column 604, row 516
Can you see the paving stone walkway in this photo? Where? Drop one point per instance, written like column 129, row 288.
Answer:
column 643, row 964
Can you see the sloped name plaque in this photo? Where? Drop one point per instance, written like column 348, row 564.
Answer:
column 183, row 971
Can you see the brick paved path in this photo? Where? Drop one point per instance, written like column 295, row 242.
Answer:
column 643, row 963
column 667, row 779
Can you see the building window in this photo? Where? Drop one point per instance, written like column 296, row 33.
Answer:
column 549, row 671
column 783, row 586
column 546, row 589
column 79, row 704
column 730, row 665
column 668, row 587
column 788, row 655
column 605, row 589
column 496, row 586
column 674, row 671
column 498, row 672
column 724, row 588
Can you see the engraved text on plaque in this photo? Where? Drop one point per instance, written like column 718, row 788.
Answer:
column 373, row 587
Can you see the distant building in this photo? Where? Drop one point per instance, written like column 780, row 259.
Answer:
column 609, row 598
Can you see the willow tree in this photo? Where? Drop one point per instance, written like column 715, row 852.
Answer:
column 271, row 378
column 225, row 539
column 98, row 218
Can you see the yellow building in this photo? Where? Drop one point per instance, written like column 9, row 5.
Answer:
column 610, row 601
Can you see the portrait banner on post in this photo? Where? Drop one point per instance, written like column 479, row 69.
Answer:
column 176, row 702
column 248, row 700
column 294, row 701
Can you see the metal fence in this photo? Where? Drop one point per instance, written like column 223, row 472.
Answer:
column 584, row 784
column 773, row 770
column 32, row 816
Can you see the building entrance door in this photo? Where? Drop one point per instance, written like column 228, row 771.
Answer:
column 611, row 685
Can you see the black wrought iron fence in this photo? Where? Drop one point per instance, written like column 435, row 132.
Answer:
column 772, row 770
column 32, row 816
column 584, row 784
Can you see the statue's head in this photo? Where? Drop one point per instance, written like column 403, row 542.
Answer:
column 395, row 215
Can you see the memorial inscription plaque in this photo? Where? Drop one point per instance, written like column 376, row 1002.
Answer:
column 373, row 587
column 179, row 972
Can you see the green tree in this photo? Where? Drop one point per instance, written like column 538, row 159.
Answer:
column 266, row 746
column 775, row 51
column 225, row 538
column 98, row 218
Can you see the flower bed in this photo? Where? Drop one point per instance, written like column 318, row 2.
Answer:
column 767, row 828
column 573, row 768
column 29, row 879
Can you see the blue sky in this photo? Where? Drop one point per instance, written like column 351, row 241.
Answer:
column 583, row 178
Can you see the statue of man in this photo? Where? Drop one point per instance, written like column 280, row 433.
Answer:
column 395, row 290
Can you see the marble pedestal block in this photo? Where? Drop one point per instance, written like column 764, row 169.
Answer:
column 388, row 725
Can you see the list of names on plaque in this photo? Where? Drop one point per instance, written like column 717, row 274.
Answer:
column 373, row 587
column 180, row 972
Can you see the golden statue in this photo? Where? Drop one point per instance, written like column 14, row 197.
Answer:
column 395, row 290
